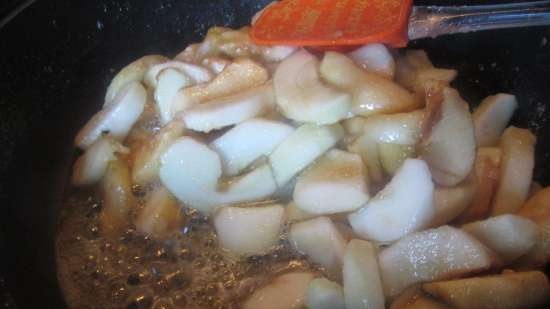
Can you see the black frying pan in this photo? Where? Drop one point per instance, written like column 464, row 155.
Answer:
column 58, row 56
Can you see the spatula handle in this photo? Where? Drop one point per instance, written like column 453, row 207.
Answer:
column 432, row 21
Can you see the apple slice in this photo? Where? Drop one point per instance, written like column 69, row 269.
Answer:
column 90, row 167
column 117, row 118
column 249, row 231
column 190, row 170
column 302, row 96
column 324, row 294
column 216, row 64
column 335, row 183
column 302, row 147
column 118, row 200
column 405, row 205
column 240, row 75
column 146, row 160
column 169, row 82
column 371, row 93
column 392, row 156
column 492, row 116
column 516, row 170
column 537, row 209
column 320, row 240
column 414, row 70
column 295, row 214
column 449, row 202
column 284, row 292
column 487, row 173
column 161, row 216
column 248, row 141
column 508, row 290
column 195, row 74
column 134, row 72
column 354, row 125
column 229, row 110
column 374, row 58
column 509, row 236
column 430, row 255
column 367, row 148
column 362, row 285
column 448, row 141
column 402, row 128
column 414, row 298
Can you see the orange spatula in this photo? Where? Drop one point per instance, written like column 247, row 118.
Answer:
column 333, row 23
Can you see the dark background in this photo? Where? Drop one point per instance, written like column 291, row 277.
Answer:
column 57, row 58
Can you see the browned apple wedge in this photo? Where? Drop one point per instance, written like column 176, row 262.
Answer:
column 284, row 292
column 449, row 202
column 537, row 209
column 430, row 255
column 516, row 170
column 367, row 148
column 161, row 216
column 492, row 116
column 414, row 298
column 448, row 142
column 392, row 156
column 414, row 70
column 511, row 290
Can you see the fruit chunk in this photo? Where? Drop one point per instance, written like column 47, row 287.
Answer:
column 90, row 166
column 302, row 147
column 492, row 116
column 302, row 96
column 371, row 93
column 116, row 119
column 134, row 72
column 516, row 170
column 414, row 298
column 116, row 193
column 367, row 148
column 240, row 75
column 448, row 142
column 508, row 290
column 362, row 285
column 414, row 70
column 449, row 202
column 487, row 173
column 374, row 58
column 320, row 240
column 169, row 82
column 229, row 110
column 249, row 230
column 324, row 294
column 190, row 170
column 146, row 160
column 293, row 213
column 392, row 156
column 537, row 209
column 284, row 292
column 429, row 255
column 335, row 183
column 195, row 74
column 509, row 236
column 405, row 205
column 161, row 215
column 216, row 64
column 402, row 128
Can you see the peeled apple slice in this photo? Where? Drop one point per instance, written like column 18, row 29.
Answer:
column 371, row 93
column 362, row 285
column 216, row 64
column 169, row 82
column 492, row 117
column 320, row 240
column 324, row 294
column 516, row 170
column 414, row 71
column 405, row 205
column 284, row 292
column 509, row 236
column 302, row 96
column 190, row 170
column 374, row 58
column 302, row 147
column 146, row 160
column 240, row 75
column 367, row 148
column 196, row 74
column 414, row 298
column 249, row 230
column 248, row 141
column 431, row 255
column 509, row 290
column 118, row 200
column 116, row 119
column 134, row 72
column 293, row 213
column 161, row 215
column 90, row 167
column 229, row 110
column 450, row 202
column 448, row 141
column 335, row 183
column 402, row 128
column 392, row 156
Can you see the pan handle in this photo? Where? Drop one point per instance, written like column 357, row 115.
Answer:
column 432, row 21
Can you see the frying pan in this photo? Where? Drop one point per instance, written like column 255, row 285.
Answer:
column 58, row 56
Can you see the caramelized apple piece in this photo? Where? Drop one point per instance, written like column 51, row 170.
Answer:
column 116, row 193
column 284, row 292
column 160, row 217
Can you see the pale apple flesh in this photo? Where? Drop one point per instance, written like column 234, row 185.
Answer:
column 284, row 292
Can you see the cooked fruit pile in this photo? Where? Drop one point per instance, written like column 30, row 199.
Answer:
column 368, row 163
